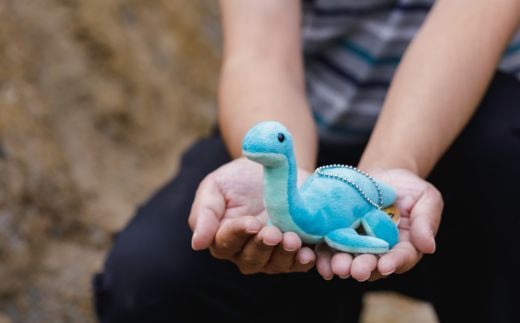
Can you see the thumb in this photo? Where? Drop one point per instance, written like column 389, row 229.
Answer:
column 206, row 213
column 426, row 217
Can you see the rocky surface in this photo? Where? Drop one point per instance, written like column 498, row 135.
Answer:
column 97, row 100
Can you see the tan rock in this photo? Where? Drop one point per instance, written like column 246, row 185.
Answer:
column 390, row 307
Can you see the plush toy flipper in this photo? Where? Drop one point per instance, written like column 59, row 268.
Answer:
column 378, row 224
column 348, row 240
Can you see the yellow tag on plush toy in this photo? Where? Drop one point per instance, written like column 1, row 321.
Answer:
column 393, row 213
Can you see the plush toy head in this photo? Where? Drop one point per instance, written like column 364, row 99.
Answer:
column 268, row 143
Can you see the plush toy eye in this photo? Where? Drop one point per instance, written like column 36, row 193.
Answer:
column 281, row 137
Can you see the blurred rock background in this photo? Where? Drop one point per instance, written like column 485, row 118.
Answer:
column 98, row 99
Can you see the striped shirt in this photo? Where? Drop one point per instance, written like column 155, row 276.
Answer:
column 351, row 51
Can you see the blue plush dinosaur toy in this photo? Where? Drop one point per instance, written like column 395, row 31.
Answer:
column 330, row 205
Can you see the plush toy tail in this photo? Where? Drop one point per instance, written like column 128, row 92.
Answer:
column 348, row 240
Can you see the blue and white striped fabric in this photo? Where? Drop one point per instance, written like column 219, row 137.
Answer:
column 352, row 49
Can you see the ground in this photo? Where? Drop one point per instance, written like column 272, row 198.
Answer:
column 98, row 99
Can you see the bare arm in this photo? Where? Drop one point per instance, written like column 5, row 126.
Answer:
column 435, row 91
column 261, row 79
column 262, row 74
column 440, row 82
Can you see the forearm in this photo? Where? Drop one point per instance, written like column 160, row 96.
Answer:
column 440, row 82
column 257, row 90
column 262, row 74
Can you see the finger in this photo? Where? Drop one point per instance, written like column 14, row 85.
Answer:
column 233, row 234
column 404, row 224
column 405, row 205
column 206, row 212
column 426, row 217
column 323, row 262
column 362, row 267
column 341, row 263
column 257, row 251
column 401, row 258
column 304, row 260
column 271, row 235
column 283, row 257
column 291, row 241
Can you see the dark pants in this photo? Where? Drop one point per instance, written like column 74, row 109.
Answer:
column 152, row 275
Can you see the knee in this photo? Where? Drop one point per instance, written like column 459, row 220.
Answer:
column 144, row 276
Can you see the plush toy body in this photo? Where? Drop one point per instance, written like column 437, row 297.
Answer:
column 330, row 205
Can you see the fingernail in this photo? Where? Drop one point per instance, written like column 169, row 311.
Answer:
column 290, row 249
column 253, row 228
column 304, row 260
column 344, row 276
column 364, row 279
column 268, row 243
column 434, row 245
column 328, row 277
column 388, row 272
column 193, row 238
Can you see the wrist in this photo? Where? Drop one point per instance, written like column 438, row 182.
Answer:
column 370, row 163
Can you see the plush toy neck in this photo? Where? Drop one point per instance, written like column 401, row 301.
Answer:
column 281, row 193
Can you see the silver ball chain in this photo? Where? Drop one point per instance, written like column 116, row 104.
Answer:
column 321, row 171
